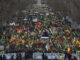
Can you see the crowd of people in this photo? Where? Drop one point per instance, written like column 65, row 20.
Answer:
column 26, row 31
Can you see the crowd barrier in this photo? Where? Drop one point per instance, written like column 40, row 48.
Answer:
column 57, row 56
column 38, row 55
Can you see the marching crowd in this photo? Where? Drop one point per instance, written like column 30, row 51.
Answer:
column 27, row 30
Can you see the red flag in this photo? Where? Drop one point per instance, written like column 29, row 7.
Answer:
column 75, row 30
column 59, row 38
column 51, row 51
column 37, row 26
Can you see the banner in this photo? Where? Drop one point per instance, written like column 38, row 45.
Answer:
column 49, row 55
column 75, row 55
column 1, row 47
column 37, row 55
column 2, row 52
column 12, row 24
column 35, row 20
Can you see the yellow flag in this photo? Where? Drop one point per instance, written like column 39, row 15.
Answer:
column 64, row 37
column 54, row 28
column 68, row 50
column 77, row 41
column 23, row 42
column 68, row 31
column 79, row 44
column 31, row 43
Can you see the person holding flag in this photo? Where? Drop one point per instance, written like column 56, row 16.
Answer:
column 47, row 46
column 68, row 50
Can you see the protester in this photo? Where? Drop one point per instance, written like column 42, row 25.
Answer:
column 21, row 35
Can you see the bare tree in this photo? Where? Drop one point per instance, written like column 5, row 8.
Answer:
column 67, row 7
column 9, row 7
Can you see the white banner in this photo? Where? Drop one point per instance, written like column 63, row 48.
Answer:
column 49, row 55
column 1, row 47
column 37, row 55
column 35, row 20
column 12, row 24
